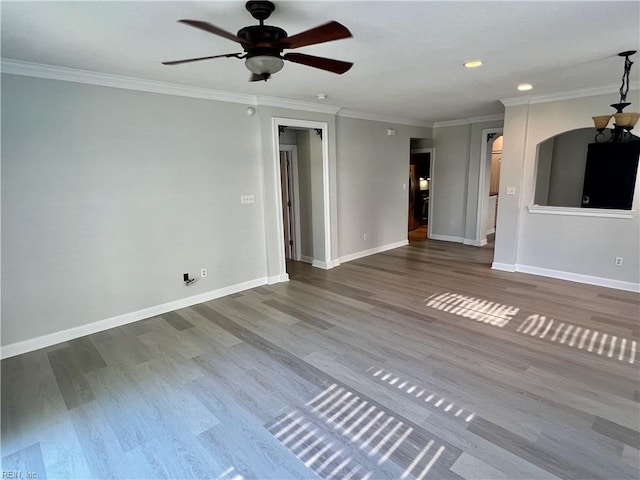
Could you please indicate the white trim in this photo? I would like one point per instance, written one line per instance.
(466, 121)
(446, 238)
(324, 127)
(452, 123)
(475, 243)
(50, 339)
(51, 72)
(484, 186)
(296, 105)
(566, 95)
(333, 263)
(306, 259)
(326, 193)
(66, 74)
(320, 264)
(372, 251)
(488, 118)
(433, 185)
(284, 277)
(580, 278)
(580, 212)
(381, 118)
(568, 276)
(504, 267)
(431, 152)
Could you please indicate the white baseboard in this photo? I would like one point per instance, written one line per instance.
(504, 267)
(333, 263)
(475, 243)
(446, 238)
(49, 339)
(372, 251)
(278, 279)
(319, 263)
(569, 276)
(580, 278)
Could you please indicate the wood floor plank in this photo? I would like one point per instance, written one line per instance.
(25, 463)
(354, 372)
(69, 375)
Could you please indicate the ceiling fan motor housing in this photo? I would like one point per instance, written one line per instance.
(263, 44)
(260, 34)
(260, 9)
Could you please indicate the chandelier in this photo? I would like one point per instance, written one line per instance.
(623, 121)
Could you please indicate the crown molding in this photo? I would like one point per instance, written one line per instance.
(467, 121)
(452, 123)
(380, 118)
(565, 95)
(296, 105)
(52, 72)
(496, 117)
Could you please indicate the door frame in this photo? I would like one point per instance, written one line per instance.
(295, 203)
(431, 151)
(323, 127)
(483, 183)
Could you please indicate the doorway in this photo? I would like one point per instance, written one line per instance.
(489, 185)
(303, 193)
(419, 197)
(290, 201)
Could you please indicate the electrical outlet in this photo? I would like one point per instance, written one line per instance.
(618, 262)
(203, 272)
(247, 199)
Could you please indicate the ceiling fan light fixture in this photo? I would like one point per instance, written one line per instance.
(261, 64)
(523, 87)
(623, 121)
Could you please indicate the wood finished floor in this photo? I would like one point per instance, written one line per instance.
(420, 362)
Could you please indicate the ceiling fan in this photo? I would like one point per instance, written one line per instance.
(263, 44)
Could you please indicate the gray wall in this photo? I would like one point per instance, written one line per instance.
(476, 145)
(109, 195)
(455, 176)
(543, 171)
(449, 177)
(566, 177)
(584, 247)
(372, 169)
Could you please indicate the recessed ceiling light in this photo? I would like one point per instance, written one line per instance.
(523, 87)
(473, 63)
(322, 96)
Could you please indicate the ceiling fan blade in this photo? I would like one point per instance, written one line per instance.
(187, 60)
(324, 33)
(335, 66)
(207, 27)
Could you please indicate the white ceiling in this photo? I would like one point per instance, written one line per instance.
(408, 56)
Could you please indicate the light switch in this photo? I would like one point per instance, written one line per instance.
(247, 199)
(511, 190)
